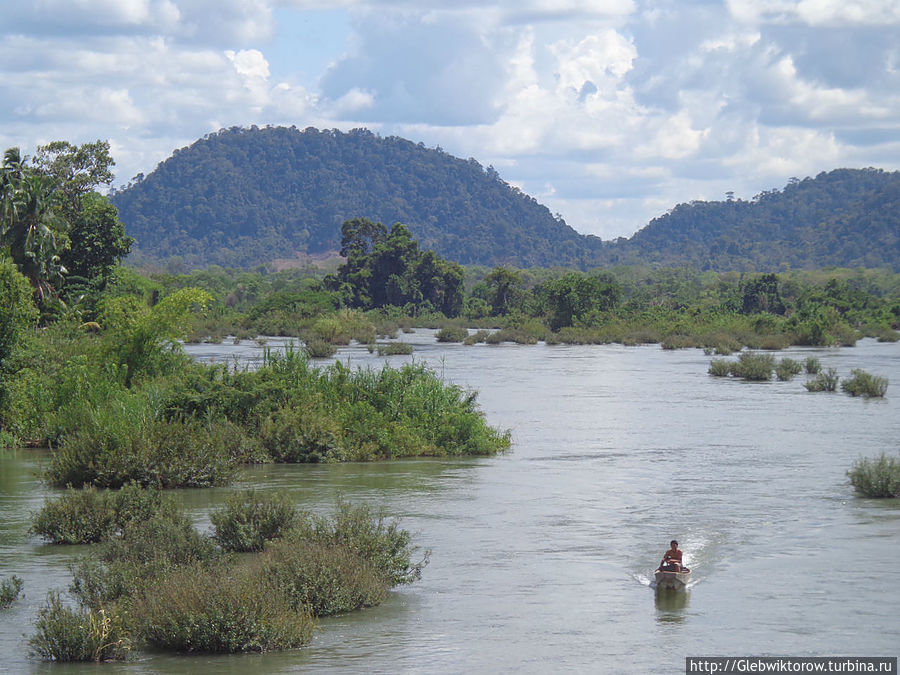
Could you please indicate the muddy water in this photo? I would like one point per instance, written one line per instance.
(541, 558)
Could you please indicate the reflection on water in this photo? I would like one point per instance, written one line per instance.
(670, 604)
(541, 558)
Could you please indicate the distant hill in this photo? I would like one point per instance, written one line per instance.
(241, 197)
(843, 218)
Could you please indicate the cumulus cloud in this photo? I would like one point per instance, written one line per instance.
(608, 111)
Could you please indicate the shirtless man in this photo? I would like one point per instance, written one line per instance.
(671, 560)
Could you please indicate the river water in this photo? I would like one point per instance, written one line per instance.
(541, 558)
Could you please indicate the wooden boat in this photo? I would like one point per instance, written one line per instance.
(673, 580)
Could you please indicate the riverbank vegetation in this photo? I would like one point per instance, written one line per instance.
(159, 583)
(877, 477)
(676, 308)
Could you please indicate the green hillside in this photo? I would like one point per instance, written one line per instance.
(843, 218)
(241, 197)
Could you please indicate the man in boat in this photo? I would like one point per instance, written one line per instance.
(671, 560)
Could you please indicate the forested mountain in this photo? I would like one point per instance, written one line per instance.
(845, 218)
(241, 197)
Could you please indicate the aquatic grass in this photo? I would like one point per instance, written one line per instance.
(10, 589)
(878, 477)
(826, 381)
(861, 383)
(250, 518)
(812, 365)
(64, 634)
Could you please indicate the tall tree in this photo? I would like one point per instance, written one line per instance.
(387, 268)
(32, 229)
(77, 169)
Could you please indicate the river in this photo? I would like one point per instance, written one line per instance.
(541, 557)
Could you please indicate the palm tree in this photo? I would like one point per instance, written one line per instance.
(30, 225)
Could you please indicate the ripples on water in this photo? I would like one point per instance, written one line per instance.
(542, 558)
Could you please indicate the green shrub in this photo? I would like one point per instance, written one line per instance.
(367, 533)
(146, 550)
(720, 367)
(302, 435)
(9, 590)
(452, 334)
(679, 342)
(320, 349)
(879, 477)
(181, 452)
(319, 578)
(861, 383)
(887, 335)
(82, 516)
(517, 335)
(787, 368)
(218, 610)
(249, 519)
(812, 365)
(476, 337)
(64, 634)
(89, 515)
(826, 381)
(395, 349)
(772, 342)
(753, 366)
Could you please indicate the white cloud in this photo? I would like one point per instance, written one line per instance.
(609, 111)
(817, 12)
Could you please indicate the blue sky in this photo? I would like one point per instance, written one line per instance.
(607, 111)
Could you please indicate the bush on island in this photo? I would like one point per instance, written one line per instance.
(9, 590)
(250, 518)
(826, 381)
(861, 383)
(89, 515)
(65, 634)
(878, 477)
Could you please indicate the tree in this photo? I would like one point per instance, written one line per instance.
(54, 224)
(504, 290)
(387, 268)
(761, 295)
(32, 229)
(139, 336)
(97, 241)
(17, 311)
(574, 295)
(77, 170)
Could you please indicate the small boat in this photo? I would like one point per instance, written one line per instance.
(673, 580)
